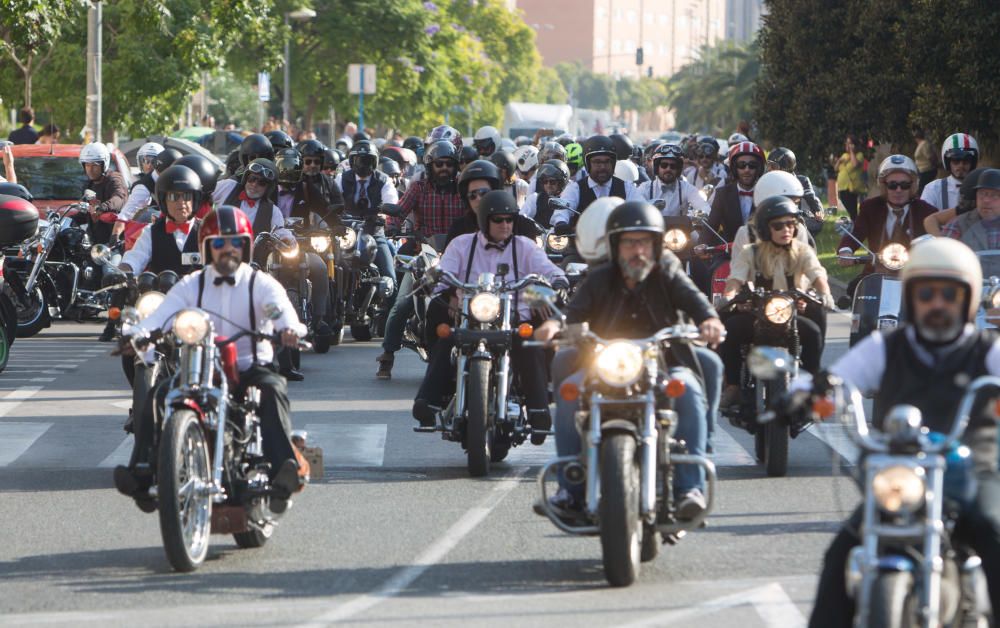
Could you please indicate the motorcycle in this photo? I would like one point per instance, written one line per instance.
(363, 295)
(988, 316)
(415, 332)
(627, 423)
(211, 474)
(909, 570)
(487, 413)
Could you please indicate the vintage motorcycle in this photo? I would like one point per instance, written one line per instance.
(362, 294)
(415, 332)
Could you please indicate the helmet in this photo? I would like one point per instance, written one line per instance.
(404, 156)
(165, 159)
(178, 178)
(574, 154)
(389, 167)
(363, 153)
(479, 169)
(736, 138)
(343, 144)
(361, 136)
(553, 169)
(15, 189)
(945, 258)
(447, 133)
(526, 158)
(225, 221)
(279, 139)
(415, 144)
(310, 148)
(495, 203)
(331, 158)
(505, 160)
(288, 161)
(565, 140)
(96, 153)
(206, 170)
(783, 158)
(989, 180)
(442, 149)
(959, 146)
(770, 208)
(651, 147)
(508, 144)
(486, 141)
(967, 190)
(897, 163)
(626, 170)
(255, 145)
(745, 148)
(264, 168)
(709, 148)
(776, 183)
(591, 243)
(634, 216)
(551, 150)
(468, 154)
(522, 140)
(596, 146)
(668, 151)
(147, 152)
(623, 146)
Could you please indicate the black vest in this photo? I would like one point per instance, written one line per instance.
(165, 255)
(313, 196)
(349, 183)
(587, 195)
(265, 209)
(146, 180)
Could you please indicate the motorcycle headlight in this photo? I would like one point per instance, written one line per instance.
(556, 242)
(675, 240)
(893, 256)
(348, 240)
(148, 303)
(484, 307)
(899, 488)
(191, 326)
(995, 299)
(319, 243)
(619, 363)
(100, 254)
(292, 251)
(779, 310)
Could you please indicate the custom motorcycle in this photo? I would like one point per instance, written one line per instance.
(363, 295)
(415, 332)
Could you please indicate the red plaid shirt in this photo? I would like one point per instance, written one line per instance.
(433, 211)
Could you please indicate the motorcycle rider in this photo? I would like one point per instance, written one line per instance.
(966, 203)
(467, 257)
(109, 187)
(927, 362)
(433, 201)
(668, 191)
(143, 191)
(600, 158)
(365, 190)
(208, 173)
(783, 159)
(959, 154)
(574, 158)
(236, 297)
(706, 169)
(486, 141)
(979, 229)
(316, 192)
(553, 177)
(640, 291)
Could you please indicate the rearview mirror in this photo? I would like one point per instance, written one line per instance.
(770, 363)
(538, 296)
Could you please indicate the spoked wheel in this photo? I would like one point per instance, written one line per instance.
(478, 431)
(183, 489)
(621, 528)
(32, 313)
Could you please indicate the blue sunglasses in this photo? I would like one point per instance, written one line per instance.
(236, 242)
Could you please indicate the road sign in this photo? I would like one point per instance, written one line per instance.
(264, 86)
(361, 78)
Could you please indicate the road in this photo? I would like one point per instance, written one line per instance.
(396, 533)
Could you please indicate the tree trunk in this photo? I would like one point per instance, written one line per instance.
(307, 124)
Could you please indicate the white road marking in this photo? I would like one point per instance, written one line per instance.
(532, 455)
(428, 558)
(349, 444)
(728, 452)
(352, 405)
(124, 404)
(14, 398)
(120, 455)
(16, 438)
(770, 601)
(835, 437)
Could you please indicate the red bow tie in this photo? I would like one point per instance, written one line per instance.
(249, 201)
(745, 193)
(184, 227)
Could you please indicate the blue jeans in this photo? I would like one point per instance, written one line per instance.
(692, 409)
(384, 257)
(711, 370)
(402, 310)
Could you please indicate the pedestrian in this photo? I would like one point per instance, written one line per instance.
(50, 134)
(850, 176)
(26, 134)
(925, 158)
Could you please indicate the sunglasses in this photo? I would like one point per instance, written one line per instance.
(668, 165)
(784, 224)
(256, 180)
(477, 193)
(180, 196)
(899, 185)
(235, 241)
(444, 163)
(312, 162)
(948, 293)
(746, 165)
(262, 170)
(499, 220)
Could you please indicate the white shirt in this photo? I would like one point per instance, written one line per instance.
(718, 170)
(222, 190)
(932, 192)
(230, 302)
(141, 252)
(742, 237)
(746, 202)
(678, 198)
(221, 193)
(530, 206)
(139, 198)
(572, 196)
(389, 193)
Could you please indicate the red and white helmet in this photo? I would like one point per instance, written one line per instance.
(959, 146)
(446, 133)
(746, 148)
(225, 222)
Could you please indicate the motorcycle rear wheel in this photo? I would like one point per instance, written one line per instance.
(892, 603)
(361, 333)
(618, 510)
(184, 475)
(478, 431)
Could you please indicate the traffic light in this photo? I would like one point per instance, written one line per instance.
(638, 56)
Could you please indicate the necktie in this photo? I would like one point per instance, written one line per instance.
(246, 199)
(745, 193)
(218, 281)
(362, 194)
(184, 227)
(898, 234)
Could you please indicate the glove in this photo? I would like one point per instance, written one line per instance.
(562, 229)
(828, 302)
(556, 203)
(560, 283)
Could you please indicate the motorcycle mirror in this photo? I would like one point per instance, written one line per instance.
(294, 221)
(272, 311)
(502, 269)
(538, 296)
(770, 362)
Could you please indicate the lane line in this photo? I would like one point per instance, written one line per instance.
(349, 444)
(770, 601)
(15, 398)
(428, 558)
(120, 455)
(728, 451)
(16, 438)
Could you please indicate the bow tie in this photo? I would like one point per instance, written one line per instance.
(745, 193)
(218, 281)
(499, 247)
(246, 199)
(184, 227)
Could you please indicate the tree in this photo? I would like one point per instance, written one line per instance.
(715, 91)
(28, 29)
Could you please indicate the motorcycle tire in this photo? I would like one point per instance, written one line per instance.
(892, 604)
(618, 510)
(185, 523)
(361, 333)
(4, 349)
(32, 320)
(650, 544)
(254, 537)
(478, 431)
(776, 435)
(321, 344)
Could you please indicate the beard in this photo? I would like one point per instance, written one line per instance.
(939, 327)
(636, 268)
(227, 264)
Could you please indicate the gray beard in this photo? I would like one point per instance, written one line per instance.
(939, 335)
(639, 274)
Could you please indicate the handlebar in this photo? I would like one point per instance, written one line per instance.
(437, 275)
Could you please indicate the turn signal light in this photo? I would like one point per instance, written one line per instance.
(824, 407)
(114, 313)
(443, 330)
(675, 388)
(569, 391)
(39, 248)
(524, 330)
(996, 407)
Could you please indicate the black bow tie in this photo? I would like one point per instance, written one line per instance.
(499, 247)
(221, 280)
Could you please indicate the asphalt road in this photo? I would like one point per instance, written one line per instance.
(396, 533)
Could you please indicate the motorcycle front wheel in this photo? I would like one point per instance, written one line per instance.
(618, 510)
(892, 603)
(776, 434)
(184, 471)
(478, 432)
(32, 313)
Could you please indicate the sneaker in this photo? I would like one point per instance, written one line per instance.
(385, 362)
(691, 505)
(285, 482)
(563, 503)
(423, 412)
(108, 334)
(540, 420)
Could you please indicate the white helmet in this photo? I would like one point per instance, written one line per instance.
(897, 163)
(736, 138)
(626, 171)
(485, 135)
(526, 158)
(945, 258)
(147, 152)
(959, 145)
(776, 183)
(96, 152)
(591, 228)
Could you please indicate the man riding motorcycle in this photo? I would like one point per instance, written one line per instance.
(107, 184)
(668, 191)
(959, 155)
(235, 297)
(980, 229)
(365, 190)
(143, 191)
(600, 158)
(553, 177)
(706, 169)
(486, 141)
(433, 201)
(315, 192)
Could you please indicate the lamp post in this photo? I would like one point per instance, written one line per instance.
(299, 15)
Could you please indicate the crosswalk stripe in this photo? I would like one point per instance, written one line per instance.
(120, 455)
(837, 439)
(15, 397)
(16, 438)
(349, 445)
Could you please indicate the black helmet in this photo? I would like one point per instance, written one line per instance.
(310, 148)
(553, 169)
(598, 145)
(770, 208)
(783, 158)
(504, 160)
(255, 146)
(635, 216)
(522, 140)
(650, 149)
(165, 158)
(495, 203)
(178, 178)
(707, 148)
(389, 167)
(565, 140)
(623, 146)
(551, 150)
(442, 149)
(415, 144)
(331, 158)
(361, 136)
(279, 139)
(288, 161)
(478, 169)
(363, 157)
(263, 168)
(989, 180)
(468, 155)
(206, 170)
(15, 189)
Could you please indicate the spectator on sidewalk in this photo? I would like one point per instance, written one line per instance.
(925, 158)
(26, 134)
(50, 134)
(850, 176)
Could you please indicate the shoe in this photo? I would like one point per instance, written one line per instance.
(563, 502)
(285, 482)
(323, 329)
(540, 420)
(730, 396)
(108, 334)
(385, 362)
(129, 426)
(125, 481)
(691, 505)
(424, 412)
(292, 375)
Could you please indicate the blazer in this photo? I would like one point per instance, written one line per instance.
(870, 225)
(725, 214)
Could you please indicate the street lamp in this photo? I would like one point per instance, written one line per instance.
(299, 15)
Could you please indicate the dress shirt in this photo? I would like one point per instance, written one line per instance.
(286, 200)
(681, 190)
(890, 220)
(932, 192)
(572, 196)
(138, 199)
(389, 192)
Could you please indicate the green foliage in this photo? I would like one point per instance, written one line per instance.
(599, 91)
(28, 29)
(714, 92)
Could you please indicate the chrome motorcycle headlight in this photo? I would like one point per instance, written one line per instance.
(675, 240)
(779, 310)
(192, 325)
(148, 303)
(899, 489)
(319, 243)
(485, 307)
(100, 254)
(556, 242)
(292, 251)
(348, 240)
(619, 363)
(995, 298)
(893, 256)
